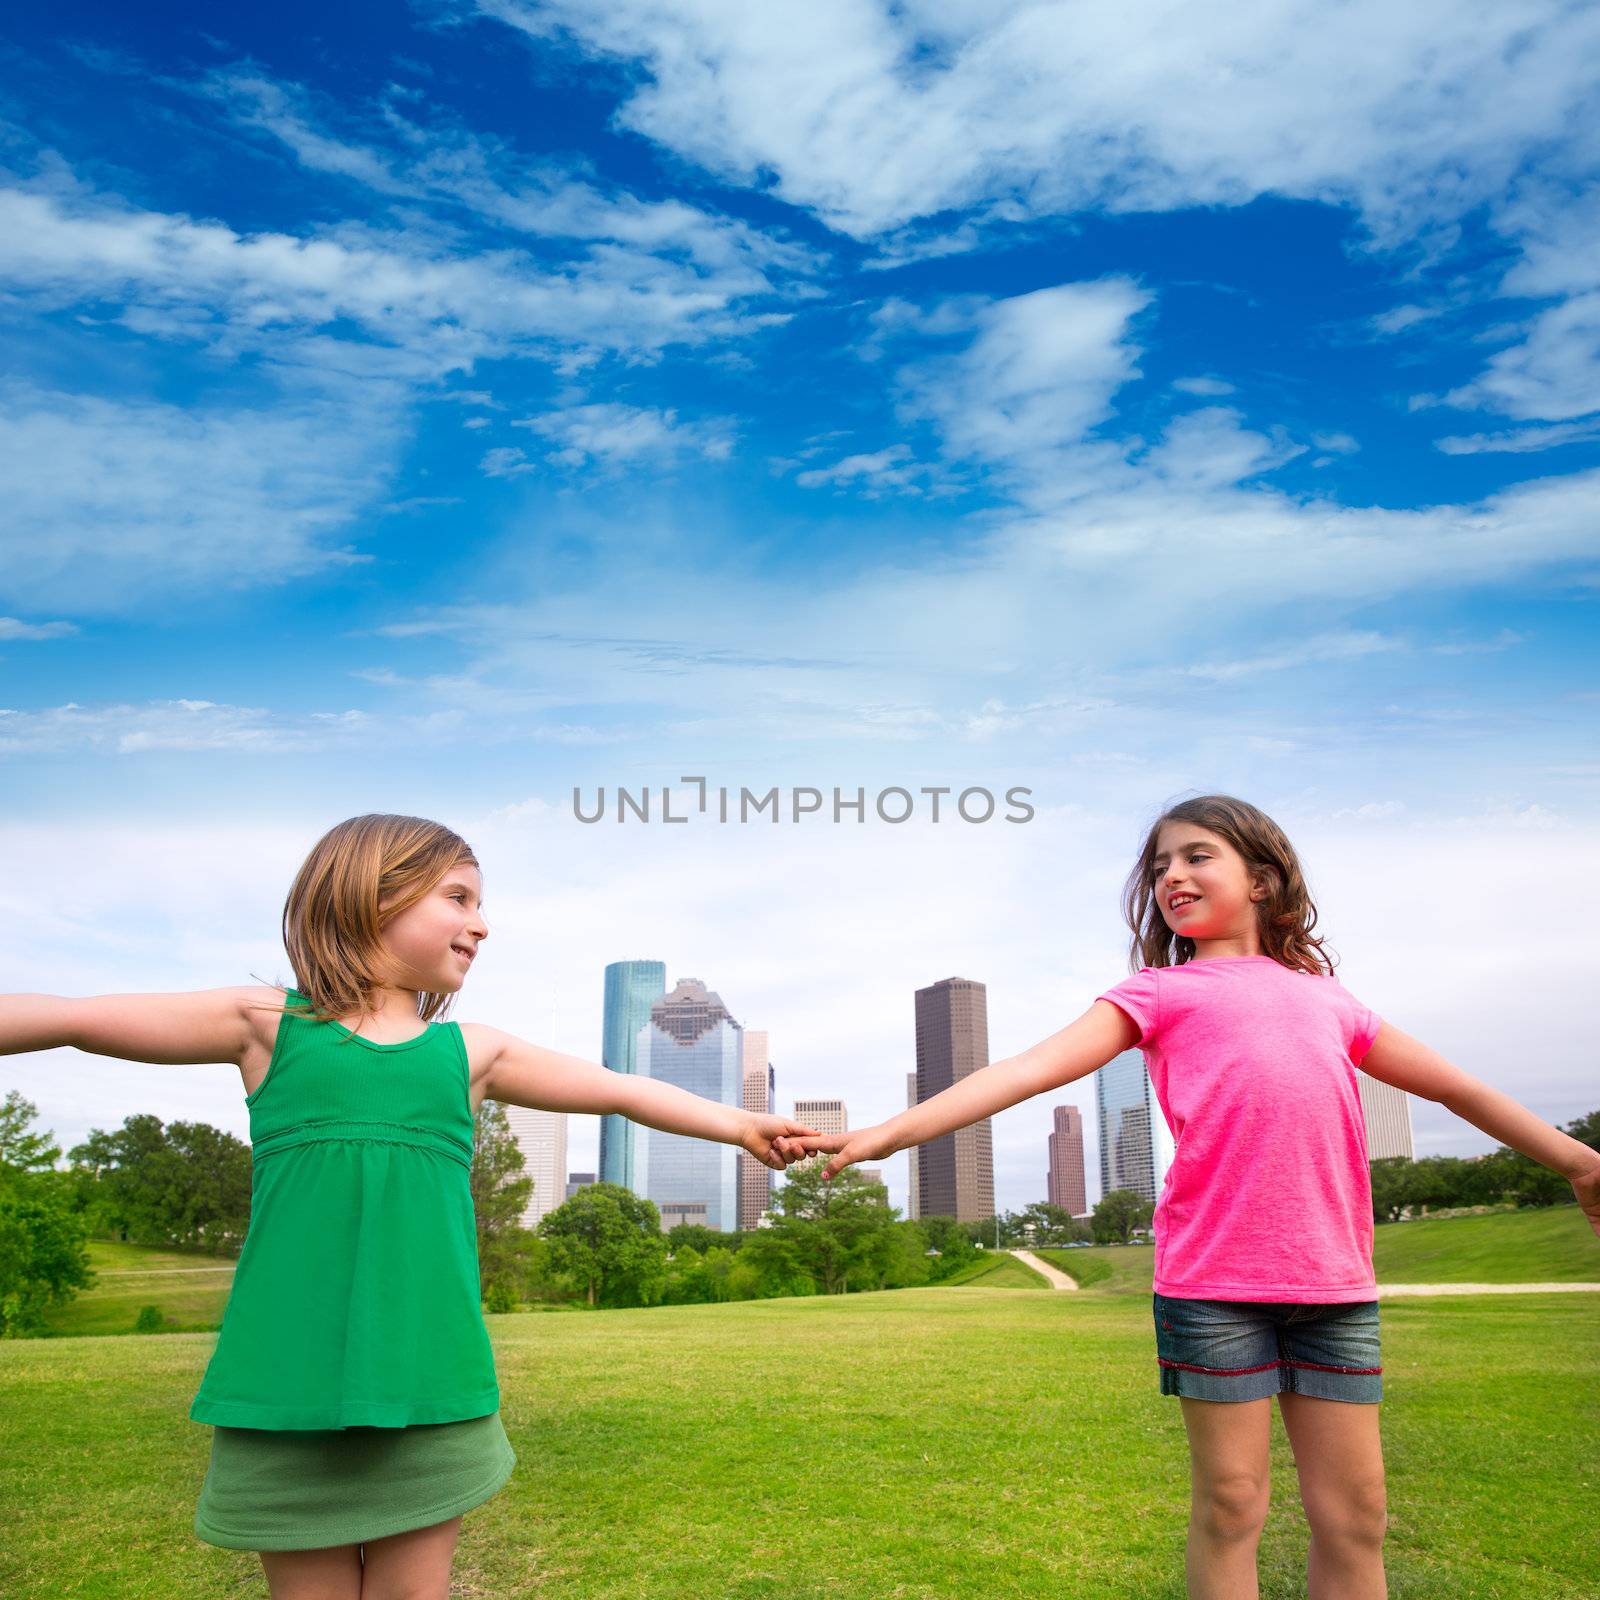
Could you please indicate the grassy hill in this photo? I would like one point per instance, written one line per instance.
(912, 1445)
(188, 1286)
(1554, 1245)
(998, 1269)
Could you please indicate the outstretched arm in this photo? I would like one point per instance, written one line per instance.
(1082, 1047)
(524, 1074)
(1408, 1064)
(174, 1029)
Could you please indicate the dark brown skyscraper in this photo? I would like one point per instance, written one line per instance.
(1066, 1162)
(955, 1174)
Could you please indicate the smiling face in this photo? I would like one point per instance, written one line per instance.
(1203, 887)
(430, 944)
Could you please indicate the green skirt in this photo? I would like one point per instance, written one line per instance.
(270, 1489)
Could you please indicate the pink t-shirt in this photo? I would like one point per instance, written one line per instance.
(1269, 1195)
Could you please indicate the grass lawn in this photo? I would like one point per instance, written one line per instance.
(920, 1443)
(1553, 1245)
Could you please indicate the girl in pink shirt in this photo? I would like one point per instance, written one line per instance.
(1263, 1261)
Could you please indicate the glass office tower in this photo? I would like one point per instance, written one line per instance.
(690, 1040)
(632, 987)
(1135, 1142)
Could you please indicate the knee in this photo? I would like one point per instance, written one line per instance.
(1355, 1513)
(1231, 1507)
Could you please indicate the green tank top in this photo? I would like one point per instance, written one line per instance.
(355, 1302)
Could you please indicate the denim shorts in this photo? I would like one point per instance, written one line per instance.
(1248, 1349)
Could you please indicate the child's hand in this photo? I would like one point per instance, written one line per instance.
(774, 1140)
(865, 1144)
(1587, 1189)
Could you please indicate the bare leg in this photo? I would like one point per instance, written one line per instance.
(411, 1566)
(331, 1574)
(1339, 1458)
(1228, 1487)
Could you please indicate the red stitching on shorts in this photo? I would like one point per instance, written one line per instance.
(1317, 1366)
(1309, 1366)
(1189, 1366)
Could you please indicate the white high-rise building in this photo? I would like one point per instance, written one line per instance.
(913, 1207)
(826, 1116)
(542, 1138)
(1387, 1113)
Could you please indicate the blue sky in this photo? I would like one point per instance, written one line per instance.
(435, 408)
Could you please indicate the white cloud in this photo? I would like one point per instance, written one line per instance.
(112, 502)
(1037, 377)
(873, 472)
(15, 628)
(124, 729)
(1519, 440)
(505, 461)
(433, 311)
(1317, 650)
(1202, 386)
(614, 434)
(1553, 375)
(437, 161)
(874, 116)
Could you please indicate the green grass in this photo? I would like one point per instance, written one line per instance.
(189, 1286)
(1554, 1245)
(898, 1446)
(998, 1269)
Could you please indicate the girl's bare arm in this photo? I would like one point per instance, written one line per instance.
(1408, 1064)
(524, 1074)
(1084, 1046)
(201, 1025)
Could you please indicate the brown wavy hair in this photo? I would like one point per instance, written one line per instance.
(332, 928)
(1285, 916)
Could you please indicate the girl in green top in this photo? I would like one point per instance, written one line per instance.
(352, 1390)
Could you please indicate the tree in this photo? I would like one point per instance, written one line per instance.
(1118, 1214)
(700, 1238)
(839, 1228)
(187, 1185)
(43, 1261)
(769, 1266)
(606, 1241)
(1586, 1130)
(953, 1242)
(501, 1190)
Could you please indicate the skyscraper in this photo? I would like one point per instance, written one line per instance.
(826, 1116)
(955, 1173)
(913, 1208)
(1135, 1145)
(1066, 1188)
(542, 1138)
(1387, 1113)
(760, 1094)
(692, 1041)
(632, 987)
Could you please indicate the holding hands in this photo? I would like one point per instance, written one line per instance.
(865, 1144)
(775, 1141)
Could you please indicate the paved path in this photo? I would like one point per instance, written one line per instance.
(1387, 1289)
(154, 1272)
(1056, 1278)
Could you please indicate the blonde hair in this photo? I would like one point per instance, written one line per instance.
(332, 928)
(1285, 916)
